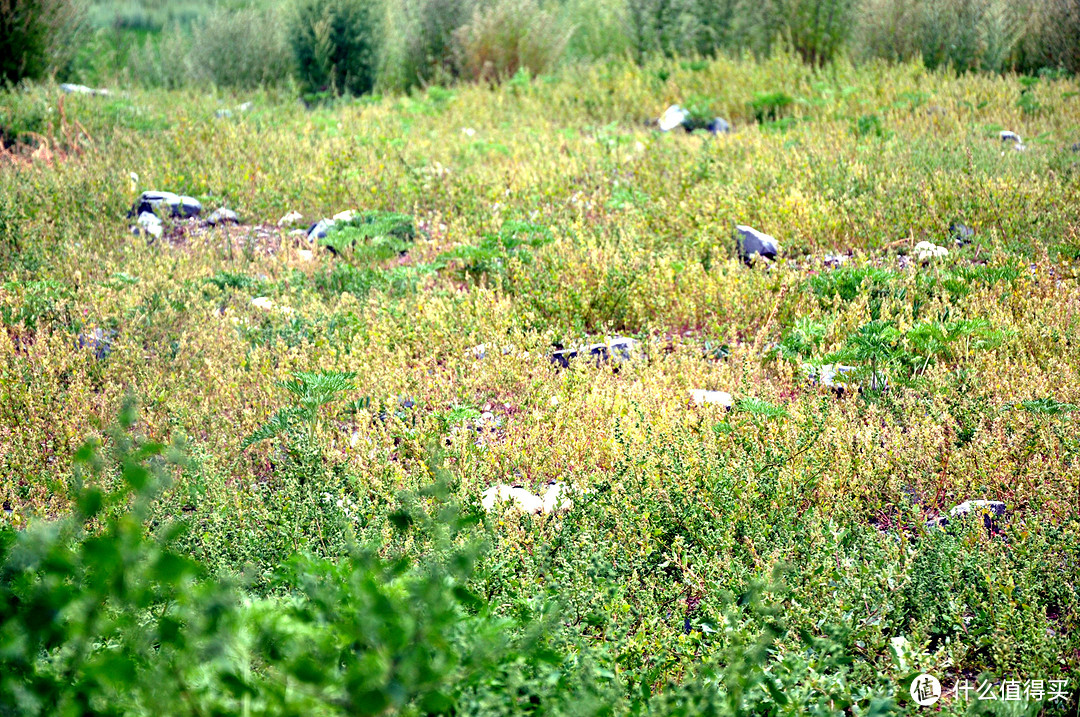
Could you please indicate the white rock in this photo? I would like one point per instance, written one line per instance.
(701, 397)
(305, 254)
(468, 131)
(264, 303)
(927, 250)
(1007, 136)
(553, 401)
(556, 498)
(289, 219)
(517, 499)
(673, 117)
(345, 216)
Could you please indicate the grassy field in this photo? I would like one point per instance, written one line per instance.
(773, 558)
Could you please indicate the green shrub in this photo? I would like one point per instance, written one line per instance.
(37, 37)
(505, 36)
(246, 48)
(336, 44)
(423, 50)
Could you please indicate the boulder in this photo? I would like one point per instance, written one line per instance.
(71, 89)
(289, 219)
(319, 229)
(990, 510)
(701, 397)
(719, 125)
(556, 498)
(99, 341)
(751, 242)
(148, 224)
(1017, 143)
(925, 250)
(174, 205)
(222, 216)
(618, 348)
(961, 234)
(674, 116)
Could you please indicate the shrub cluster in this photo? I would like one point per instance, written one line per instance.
(355, 46)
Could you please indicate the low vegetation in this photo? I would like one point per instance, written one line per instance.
(241, 472)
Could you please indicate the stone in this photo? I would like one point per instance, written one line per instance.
(345, 216)
(617, 347)
(71, 89)
(148, 224)
(961, 234)
(175, 205)
(701, 397)
(829, 375)
(305, 254)
(266, 304)
(556, 498)
(719, 125)
(1017, 143)
(99, 341)
(515, 498)
(990, 510)
(222, 216)
(835, 261)
(222, 114)
(751, 242)
(925, 250)
(319, 229)
(479, 351)
(674, 116)
(245, 107)
(289, 219)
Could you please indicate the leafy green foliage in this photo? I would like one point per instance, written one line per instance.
(336, 45)
(311, 391)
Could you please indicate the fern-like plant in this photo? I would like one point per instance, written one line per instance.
(310, 391)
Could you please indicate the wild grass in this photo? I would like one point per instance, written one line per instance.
(549, 211)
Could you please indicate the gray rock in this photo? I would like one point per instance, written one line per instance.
(961, 233)
(175, 205)
(719, 125)
(990, 510)
(222, 216)
(148, 224)
(1008, 136)
(618, 348)
(319, 229)
(750, 242)
(71, 89)
(99, 341)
